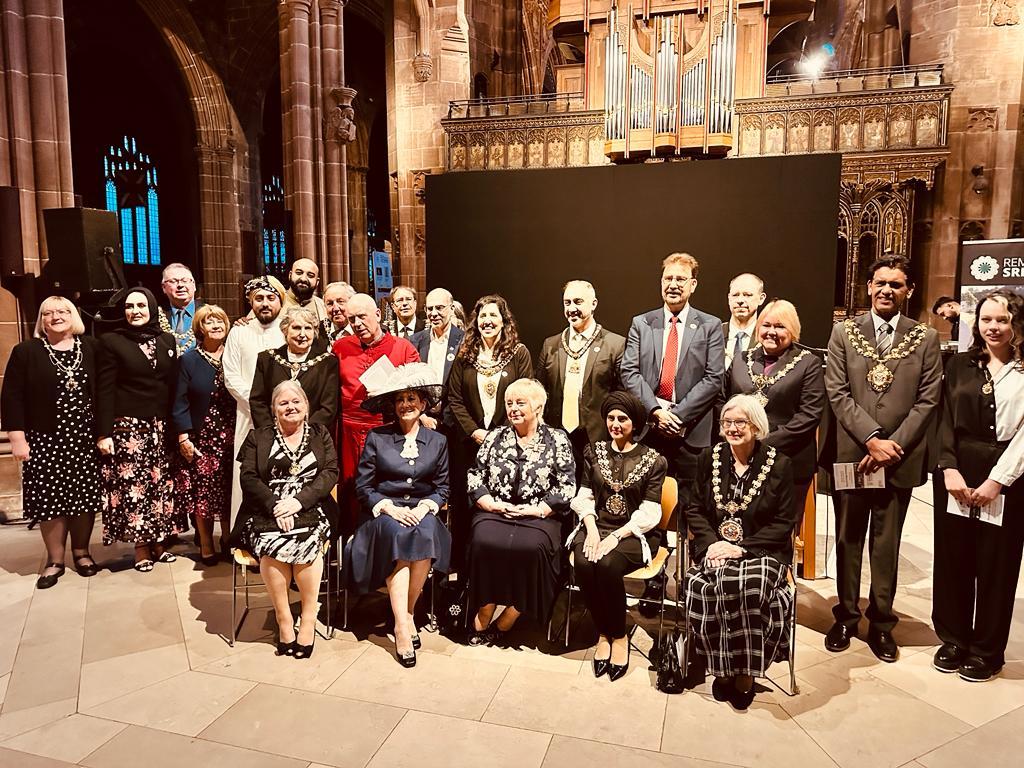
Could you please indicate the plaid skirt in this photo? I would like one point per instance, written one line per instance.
(738, 615)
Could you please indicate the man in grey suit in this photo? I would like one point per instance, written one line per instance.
(674, 362)
(579, 367)
(883, 377)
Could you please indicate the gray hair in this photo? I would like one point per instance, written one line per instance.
(291, 384)
(289, 316)
(753, 410)
(175, 265)
(532, 389)
(341, 285)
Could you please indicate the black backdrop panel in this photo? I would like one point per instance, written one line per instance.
(523, 234)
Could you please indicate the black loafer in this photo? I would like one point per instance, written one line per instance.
(85, 569)
(722, 689)
(45, 582)
(838, 638)
(601, 667)
(949, 657)
(976, 670)
(883, 646)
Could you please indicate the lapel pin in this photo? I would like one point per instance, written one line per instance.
(451, 356)
(693, 326)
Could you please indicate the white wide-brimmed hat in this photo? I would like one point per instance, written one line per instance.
(416, 376)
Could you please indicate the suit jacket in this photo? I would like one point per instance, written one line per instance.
(421, 340)
(767, 523)
(30, 384)
(902, 413)
(128, 385)
(166, 312)
(196, 382)
(796, 403)
(464, 395)
(751, 338)
(254, 473)
(320, 383)
(700, 371)
(602, 373)
(385, 474)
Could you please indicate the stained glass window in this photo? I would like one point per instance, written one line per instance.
(275, 248)
(130, 190)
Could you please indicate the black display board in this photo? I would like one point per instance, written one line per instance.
(523, 234)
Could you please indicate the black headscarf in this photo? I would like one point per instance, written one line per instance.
(631, 406)
(141, 333)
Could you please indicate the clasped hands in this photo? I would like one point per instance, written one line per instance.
(285, 511)
(970, 497)
(881, 453)
(668, 423)
(510, 510)
(595, 548)
(720, 553)
(407, 516)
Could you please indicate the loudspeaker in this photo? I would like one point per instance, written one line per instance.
(11, 257)
(84, 247)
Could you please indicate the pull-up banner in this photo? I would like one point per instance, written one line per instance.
(986, 265)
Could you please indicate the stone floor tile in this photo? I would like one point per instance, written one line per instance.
(46, 670)
(185, 704)
(10, 757)
(578, 706)
(58, 608)
(572, 753)
(135, 747)
(525, 657)
(22, 720)
(425, 740)
(764, 735)
(70, 738)
(438, 683)
(259, 663)
(306, 726)
(110, 678)
(4, 682)
(997, 743)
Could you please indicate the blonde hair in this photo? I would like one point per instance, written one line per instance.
(532, 389)
(785, 313)
(77, 326)
(300, 313)
(682, 260)
(754, 412)
(203, 314)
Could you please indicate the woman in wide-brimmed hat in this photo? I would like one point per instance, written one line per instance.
(401, 483)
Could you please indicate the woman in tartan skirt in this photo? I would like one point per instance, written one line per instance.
(740, 512)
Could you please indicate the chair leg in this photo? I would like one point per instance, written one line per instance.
(432, 625)
(568, 614)
(234, 602)
(794, 689)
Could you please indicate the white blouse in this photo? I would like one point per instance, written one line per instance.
(489, 402)
(1009, 397)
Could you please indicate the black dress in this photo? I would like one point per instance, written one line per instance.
(517, 561)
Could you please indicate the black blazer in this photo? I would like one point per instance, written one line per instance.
(464, 396)
(128, 384)
(320, 384)
(254, 476)
(767, 523)
(31, 382)
(796, 404)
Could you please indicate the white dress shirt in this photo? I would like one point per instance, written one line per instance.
(438, 351)
(683, 313)
(879, 321)
(576, 342)
(405, 331)
(734, 331)
(1009, 397)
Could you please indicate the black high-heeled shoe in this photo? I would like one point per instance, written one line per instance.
(615, 671)
(303, 651)
(416, 644)
(285, 649)
(209, 560)
(45, 582)
(601, 667)
(407, 659)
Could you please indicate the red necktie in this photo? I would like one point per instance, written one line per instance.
(668, 365)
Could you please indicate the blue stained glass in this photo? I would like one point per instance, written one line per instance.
(111, 195)
(142, 235)
(140, 217)
(127, 239)
(154, 226)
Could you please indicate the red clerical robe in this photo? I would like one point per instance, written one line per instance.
(354, 358)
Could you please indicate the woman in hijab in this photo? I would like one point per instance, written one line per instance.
(137, 370)
(619, 506)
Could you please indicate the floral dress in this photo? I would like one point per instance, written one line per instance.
(138, 484)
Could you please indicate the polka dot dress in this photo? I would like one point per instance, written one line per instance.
(62, 475)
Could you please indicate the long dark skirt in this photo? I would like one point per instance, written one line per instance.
(515, 562)
(738, 614)
(382, 541)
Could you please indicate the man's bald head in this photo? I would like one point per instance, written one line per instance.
(439, 310)
(364, 317)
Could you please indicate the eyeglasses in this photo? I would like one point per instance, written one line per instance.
(179, 281)
(57, 313)
(675, 279)
(738, 423)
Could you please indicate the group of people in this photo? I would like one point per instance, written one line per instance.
(431, 444)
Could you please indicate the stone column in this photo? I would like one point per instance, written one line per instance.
(220, 233)
(358, 262)
(339, 129)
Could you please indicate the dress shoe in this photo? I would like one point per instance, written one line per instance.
(407, 659)
(722, 689)
(303, 651)
(976, 670)
(601, 667)
(85, 569)
(741, 700)
(615, 671)
(949, 657)
(838, 638)
(45, 582)
(883, 646)
(416, 643)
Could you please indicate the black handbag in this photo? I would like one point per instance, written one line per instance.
(670, 671)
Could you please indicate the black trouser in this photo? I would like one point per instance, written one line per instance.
(975, 576)
(883, 511)
(602, 588)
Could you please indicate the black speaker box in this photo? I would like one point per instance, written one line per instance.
(84, 247)
(11, 259)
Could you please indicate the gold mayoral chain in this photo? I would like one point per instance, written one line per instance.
(298, 368)
(762, 382)
(491, 370)
(879, 376)
(574, 366)
(731, 528)
(616, 504)
(296, 455)
(70, 382)
(181, 340)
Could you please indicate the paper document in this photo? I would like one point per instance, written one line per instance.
(847, 478)
(991, 513)
(376, 377)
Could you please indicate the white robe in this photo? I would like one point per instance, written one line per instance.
(243, 345)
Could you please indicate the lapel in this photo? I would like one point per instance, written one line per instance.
(689, 331)
(592, 353)
(454, 342)
(656, 322)
(901, 330)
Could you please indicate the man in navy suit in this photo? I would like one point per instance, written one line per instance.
(674, 362)
(179, 286)
(437, 344)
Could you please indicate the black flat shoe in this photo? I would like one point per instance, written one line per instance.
(407, 659)
(949, 657)
(601, 667)
(883, 646)
(740, 700)
(303, 651)
(838, 638)
(209, 560)
(722, 689)
(976, 670)
(45, 582)
(87, 569)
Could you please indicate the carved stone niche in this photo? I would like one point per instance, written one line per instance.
(419, 184)
(972, 229)
(982, 119)
(1004, 13)
(341, 119)
(422, 67)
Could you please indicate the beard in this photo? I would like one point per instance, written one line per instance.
(303, 291)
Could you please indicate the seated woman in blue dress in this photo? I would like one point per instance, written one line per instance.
(401, 483)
